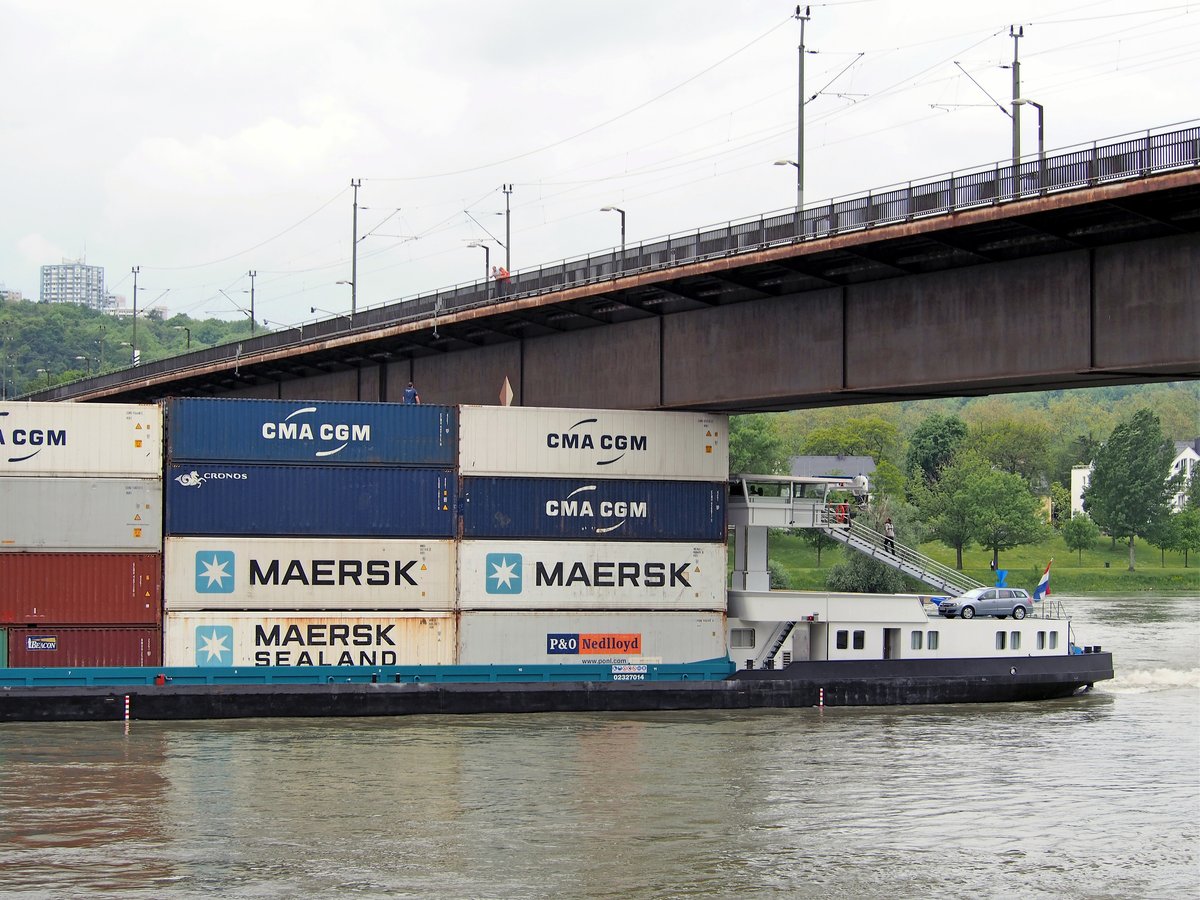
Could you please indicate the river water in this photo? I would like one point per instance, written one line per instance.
(1095, 796)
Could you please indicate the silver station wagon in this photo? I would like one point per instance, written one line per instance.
(988, 601)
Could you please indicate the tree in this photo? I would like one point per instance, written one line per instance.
(1004, 513)
(1060, 505)
(862, 574)
(1080, 533)
(933, 445)
(1129, 489)
(945, 503)
(819, 541)
(1016, 445)
(1188, 521)
(755, 446)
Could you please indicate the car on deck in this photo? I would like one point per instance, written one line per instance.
(988, 601)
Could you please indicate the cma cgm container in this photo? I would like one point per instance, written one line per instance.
(81, 588)
(101, 515)
(334, 501)
(312, 432)
(57, 646)
(258, 639)
(596, 508)
(518, 638)
(590, 575)
(593, 443)
(307, 573)
(81, 439)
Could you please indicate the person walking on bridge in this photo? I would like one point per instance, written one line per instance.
(889, 536)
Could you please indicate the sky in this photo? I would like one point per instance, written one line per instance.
(200, 142)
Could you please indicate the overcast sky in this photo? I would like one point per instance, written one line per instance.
(202, 140)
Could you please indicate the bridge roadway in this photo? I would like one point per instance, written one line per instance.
(1094, 285)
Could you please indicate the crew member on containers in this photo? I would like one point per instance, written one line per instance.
(410, 395)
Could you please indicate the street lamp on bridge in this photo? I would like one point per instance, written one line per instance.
(618, 209)
(1024, 101)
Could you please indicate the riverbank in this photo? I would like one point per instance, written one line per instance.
(1103, 570)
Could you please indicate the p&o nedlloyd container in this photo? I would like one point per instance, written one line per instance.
(311, 432)
(351, 639)
(570, 575)
(294, 500)
(81, 440)
(81, 588)
(603, 638)
(102, 515)
(596, 508)
(592, 443)
(209, 573)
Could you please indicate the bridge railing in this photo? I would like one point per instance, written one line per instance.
(1085, 165)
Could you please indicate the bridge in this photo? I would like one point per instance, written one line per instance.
(1078, 269)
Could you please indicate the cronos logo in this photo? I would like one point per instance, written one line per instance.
(23, 439)
(329, 434)
(581, 437)
(197, 479)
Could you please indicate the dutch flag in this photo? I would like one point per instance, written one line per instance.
(1043, 587)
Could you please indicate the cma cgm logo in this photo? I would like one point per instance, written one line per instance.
(503, 573)
(196, 479)
(580, 505)
(214, 572)
(579, 437)
(329, 433)
(23, 439)
(214, 645)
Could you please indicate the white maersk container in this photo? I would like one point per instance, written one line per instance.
(308, 574)
(96, 515)
(572, 638)
(590, 575)
(106, 440)
(591, 443)
(263, 639)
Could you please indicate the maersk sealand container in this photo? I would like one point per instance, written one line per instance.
(81, 440)
(596, 508)
(300, 501)
(311, 432)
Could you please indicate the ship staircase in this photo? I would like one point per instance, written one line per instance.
(832, 505)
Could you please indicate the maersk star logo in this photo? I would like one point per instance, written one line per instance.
(503, 573)
(214, 572)
(214, 645)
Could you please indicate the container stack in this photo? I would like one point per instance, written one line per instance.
(80, 534)
(309, 533)
(591, 536)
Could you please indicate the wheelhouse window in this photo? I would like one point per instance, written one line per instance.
(843, 640)
(916, 640)
(932, 640)
(1054, 640)
(860, 640)
(741, 638)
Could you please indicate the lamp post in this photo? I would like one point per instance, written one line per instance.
(329, 312)
(354, 183)
(1024, 101)
(353, 305)
(252, 273)
(487, 266)
(618, 209)
(189, 334)
(803, 17)
(47, 373)
(88, 360)
(133, 343)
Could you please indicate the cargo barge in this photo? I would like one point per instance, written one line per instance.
(231, 558)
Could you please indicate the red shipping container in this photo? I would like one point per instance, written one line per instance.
(81, 588)
(60, 646)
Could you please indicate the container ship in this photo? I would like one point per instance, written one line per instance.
(212, 558)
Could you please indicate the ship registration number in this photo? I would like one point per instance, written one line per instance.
(629, 672)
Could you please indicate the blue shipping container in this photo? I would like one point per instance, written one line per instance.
(334, 501)
(594, 509)
(311, 432)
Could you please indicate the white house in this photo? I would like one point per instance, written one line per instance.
(1187, 458)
